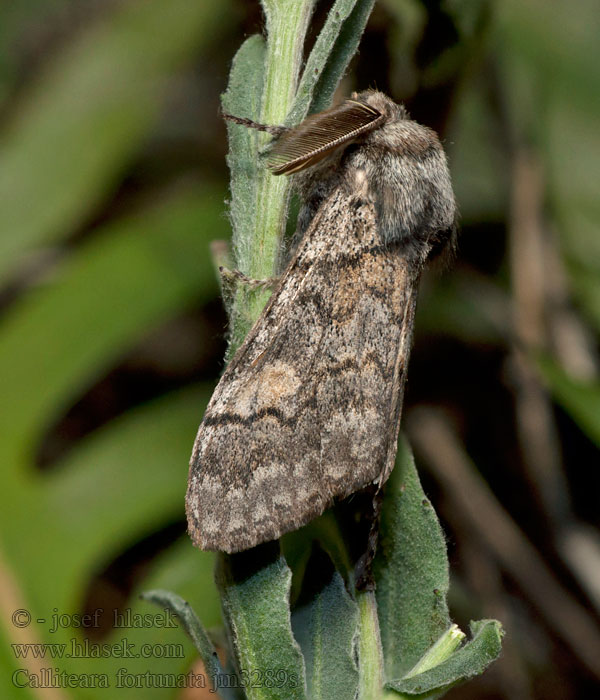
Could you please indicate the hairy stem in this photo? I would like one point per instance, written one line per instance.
(370, 654)
(287, 23)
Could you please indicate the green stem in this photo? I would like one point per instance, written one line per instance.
(370, 655)
(287, 23)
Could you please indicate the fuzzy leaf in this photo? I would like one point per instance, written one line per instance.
(340, 54)
(243, 99)
(329, 57)
(255, 588)
(470, 660)
(297, 545)
(411, 571)
(197, 633)
(326, 628)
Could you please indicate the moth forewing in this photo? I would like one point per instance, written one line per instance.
(308, 410)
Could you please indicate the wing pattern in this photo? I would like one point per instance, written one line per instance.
(308, 409)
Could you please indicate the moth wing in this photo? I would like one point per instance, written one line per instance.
(307, 411)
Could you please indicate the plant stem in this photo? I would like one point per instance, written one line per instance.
(287, 23)
(370, 656)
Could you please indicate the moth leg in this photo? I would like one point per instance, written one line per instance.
(274, 131)
(363, 574)
(232, 277)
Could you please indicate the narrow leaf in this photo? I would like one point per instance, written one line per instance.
(340, 55)
(411, 571)
(86, 115)
(445, 646)
(325, 627)
(127, 279)
(317, 61)
(471, 660)
(255, 587)
(243, 99)
(197, 633)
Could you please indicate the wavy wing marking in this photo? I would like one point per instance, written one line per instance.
(307, 410)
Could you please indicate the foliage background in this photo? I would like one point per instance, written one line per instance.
(112, 185)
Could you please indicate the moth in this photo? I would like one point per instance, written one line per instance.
(308, 410)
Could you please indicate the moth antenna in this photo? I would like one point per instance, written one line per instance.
(320, 134)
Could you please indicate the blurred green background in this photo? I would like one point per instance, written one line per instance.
(112, 185)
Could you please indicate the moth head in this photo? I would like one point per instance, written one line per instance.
(377, 100)
(408, 179)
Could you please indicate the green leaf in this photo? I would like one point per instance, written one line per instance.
(257, 243)
(342, 52)
(121, 483)
(189, 571)
(131, 276)
(330, 56)
(325, 530)
(87, 115)
(470, 660)
(411, 570)
(580, 399)
(197, 633)
(326, 627)
(243, 98)
(255, 587)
